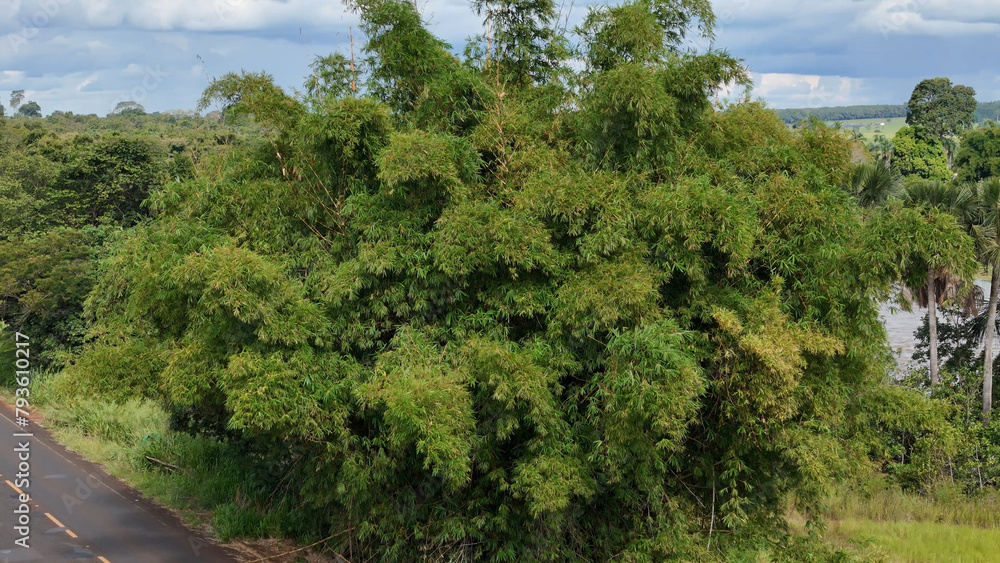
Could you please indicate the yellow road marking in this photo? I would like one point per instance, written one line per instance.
(19, 491)
(73, 463)
(60, 525)
(103, 560)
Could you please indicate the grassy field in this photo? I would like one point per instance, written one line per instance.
(872, 127)
(920, 542)
(905, 528)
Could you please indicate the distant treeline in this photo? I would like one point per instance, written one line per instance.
(986, 110)
(842, 113)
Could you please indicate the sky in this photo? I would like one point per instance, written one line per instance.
(85, 56)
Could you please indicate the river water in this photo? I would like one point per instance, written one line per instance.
(900, 326)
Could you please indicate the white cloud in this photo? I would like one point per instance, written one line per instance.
(447, 17)
(920, 17)
(101, 13)
(134, 70)
(805, 90)
(170, 15)
(931, 17)
(11, 76)
(9, 10)
(772, 82)
(86, 82)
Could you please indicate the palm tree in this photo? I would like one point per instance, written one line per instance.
(873, 183)
(985, 226)
(881, 148)
(950, 148)
(940, 285)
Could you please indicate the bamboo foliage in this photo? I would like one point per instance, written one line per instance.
(564, 317)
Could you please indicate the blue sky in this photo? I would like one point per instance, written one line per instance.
(87, 55)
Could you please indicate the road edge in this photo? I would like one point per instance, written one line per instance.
(208, 545)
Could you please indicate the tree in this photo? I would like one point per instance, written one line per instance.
(333, 75)
(919, 156)
(30, 109)
(939, 282)
(25, 193)
(128, 109)
(942, 110)
(16, 97)
(523, 37)
(881, 149)
(635, 102)
(181, 168)
(978, 155)
(44, 281)
(8, 371)
(108, 180)
(986, 228)
(428, 87)
(872, 184)
(474, 321)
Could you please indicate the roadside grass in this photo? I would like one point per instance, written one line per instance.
(217, 487)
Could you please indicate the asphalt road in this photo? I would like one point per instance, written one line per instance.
(80, 513)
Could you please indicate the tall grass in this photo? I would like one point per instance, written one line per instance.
(945, 506)
(217, 482)
(923, 542)
(945, 525)
(125, 424)
(7, 348)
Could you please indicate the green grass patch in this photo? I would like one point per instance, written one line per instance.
(922, 542)
(902, 527)
(219, 485)
(874, 126)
